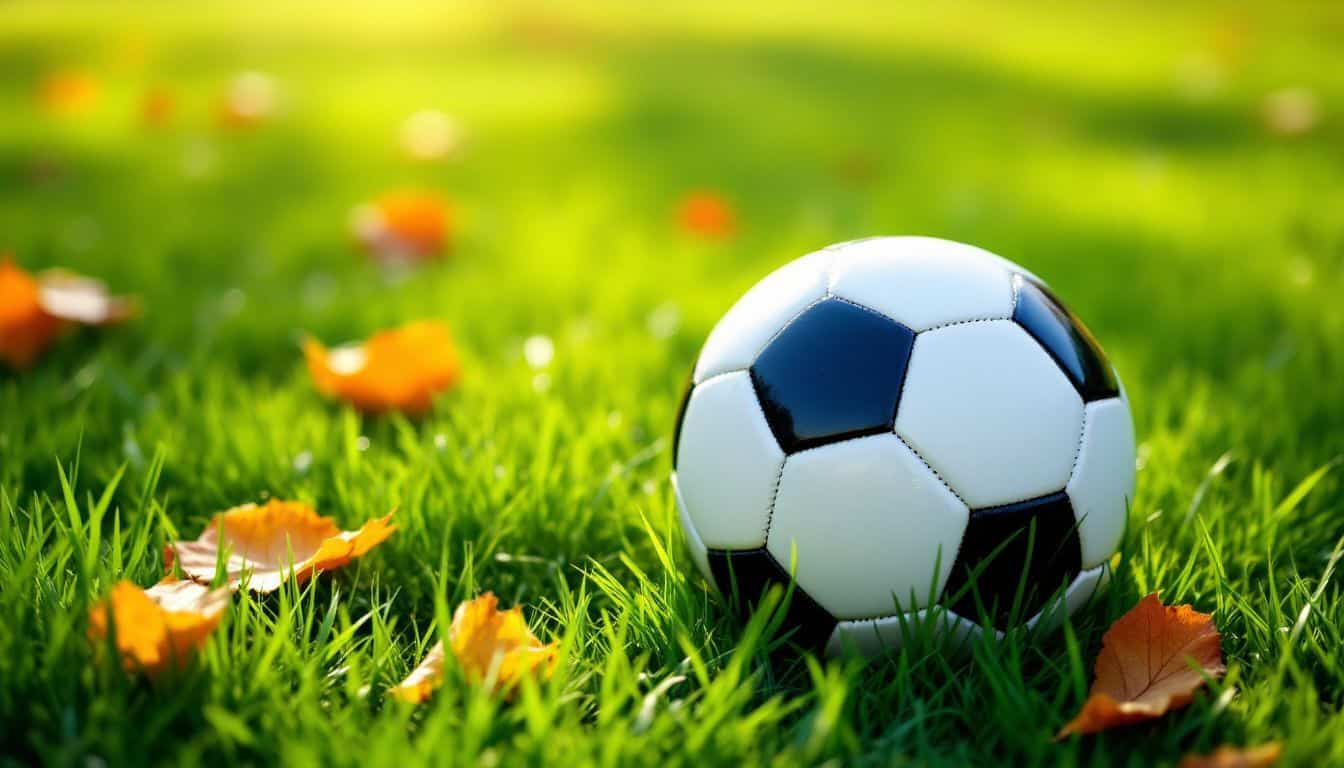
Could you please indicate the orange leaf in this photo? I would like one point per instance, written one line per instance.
(279, 541)
(705, 214)
(161, 626)
(1152, 660)
(410, 225)
(25, 327)
(1262, 756)
(400, 369)
(34, 309)
(493, 647)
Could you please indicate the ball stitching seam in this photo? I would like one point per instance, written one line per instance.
(929, 466)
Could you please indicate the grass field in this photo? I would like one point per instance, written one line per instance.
(1122, 154)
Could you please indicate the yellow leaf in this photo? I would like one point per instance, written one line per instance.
(493, 647)
(420, 684)
(1262, 756)
(397, 370)
(1152, 660)
(160, 627)
(276, 542)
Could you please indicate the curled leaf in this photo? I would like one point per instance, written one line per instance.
(159, 627)
(395, 370)
(1152, 660)
(493, 647)
(274, 543)
(33, 310)
(410, 225)
(1262, 756)
(707, 215)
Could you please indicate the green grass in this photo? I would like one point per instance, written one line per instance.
(1206, 253)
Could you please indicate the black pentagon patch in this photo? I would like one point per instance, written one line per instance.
(833, 373)
(743, 576)
(1066, 339)
(1038, 537)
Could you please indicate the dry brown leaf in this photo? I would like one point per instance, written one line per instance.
(410, 225)
(274, 543)
(492, 646)
(1262, 756)
(1152, 660)
(33, 310)
(396, 370)
(159, 627)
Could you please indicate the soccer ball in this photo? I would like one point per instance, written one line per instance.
(912, 430)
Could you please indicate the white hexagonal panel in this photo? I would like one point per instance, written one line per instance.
(760, 313)
(987, 407)
(870, 523)
(874, 637)
(1085, 586)
(727, 463)
(694, 545)
(923, 282)
(1103, 482)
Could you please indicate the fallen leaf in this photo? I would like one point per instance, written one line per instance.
(274, 543)
(25, 327)
(33, 310)
(68, 92)
(427, 676)
(1152, 660)
(159, 627)
(405, 226)
(395, 370)
(707, 215)
(1262, 756)
(493, 647)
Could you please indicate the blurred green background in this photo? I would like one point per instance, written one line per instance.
(1175, 171)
